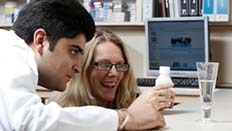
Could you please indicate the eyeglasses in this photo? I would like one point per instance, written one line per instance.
(108, 66)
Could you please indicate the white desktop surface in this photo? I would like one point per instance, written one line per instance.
(179, 91)
(183, 117)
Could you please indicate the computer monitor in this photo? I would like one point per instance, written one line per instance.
(178, 43)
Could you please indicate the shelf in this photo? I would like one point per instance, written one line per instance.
(97, 24)
(119, 24)
(5, 25)
(136, 24)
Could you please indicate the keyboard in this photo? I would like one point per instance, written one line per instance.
(185, 82)
(178, 81)
(145, 81)
(183, 86)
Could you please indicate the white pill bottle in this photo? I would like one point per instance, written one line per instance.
(164, 76)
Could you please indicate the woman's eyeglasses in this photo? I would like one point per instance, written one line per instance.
(108, 66)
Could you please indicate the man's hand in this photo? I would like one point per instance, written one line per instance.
(145, 109)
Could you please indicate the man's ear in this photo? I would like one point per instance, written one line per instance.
(39, 40)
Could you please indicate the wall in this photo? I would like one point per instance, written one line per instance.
(134, 38)
(220, 44)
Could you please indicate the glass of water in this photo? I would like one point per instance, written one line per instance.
(207, 75)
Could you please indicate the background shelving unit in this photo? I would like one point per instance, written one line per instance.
(132, 33)
(138, 14)
(9, 10)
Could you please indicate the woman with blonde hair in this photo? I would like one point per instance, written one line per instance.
(97, 84)
(106, 77)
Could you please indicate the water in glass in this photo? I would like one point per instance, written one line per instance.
(207, 88)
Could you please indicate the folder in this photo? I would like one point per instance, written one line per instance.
(147, 9)
(200, 9)
(193, 7)
(155, 8)
(177, 8)
(167, 10)
(209, 9)
(162, 11)
(222, 10)
(184, 7)
(171, 8)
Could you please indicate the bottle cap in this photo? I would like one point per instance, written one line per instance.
(164, 70)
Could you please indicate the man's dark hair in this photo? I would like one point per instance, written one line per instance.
(59, 18)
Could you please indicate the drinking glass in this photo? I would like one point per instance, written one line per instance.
(207, 75)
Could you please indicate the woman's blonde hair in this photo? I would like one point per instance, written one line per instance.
(78, 92)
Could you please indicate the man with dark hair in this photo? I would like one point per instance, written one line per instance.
(44, 49)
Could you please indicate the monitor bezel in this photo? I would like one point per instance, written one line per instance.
(176, 73)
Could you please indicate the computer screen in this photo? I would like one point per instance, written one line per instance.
(178, 43)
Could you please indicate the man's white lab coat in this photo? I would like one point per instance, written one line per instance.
(21, 108)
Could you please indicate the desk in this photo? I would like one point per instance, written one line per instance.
(183, 116)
